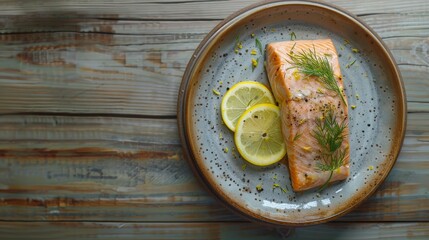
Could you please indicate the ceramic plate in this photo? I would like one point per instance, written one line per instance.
(372, 83)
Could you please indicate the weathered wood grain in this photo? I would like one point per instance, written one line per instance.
(176, 9)
(97, 168)
(209, 231)
(88, 93)
(83, 64)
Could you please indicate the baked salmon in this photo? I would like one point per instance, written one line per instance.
(312, 105)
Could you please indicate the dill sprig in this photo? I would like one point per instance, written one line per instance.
(297, 136)
(258, 44)
(292, 36)
(309, 63)
(330, 135)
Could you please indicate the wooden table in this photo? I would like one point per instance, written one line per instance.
(88, 136)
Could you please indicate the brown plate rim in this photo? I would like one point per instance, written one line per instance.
(184, 129)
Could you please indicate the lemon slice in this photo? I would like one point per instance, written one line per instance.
(258, 135)
(241, 97)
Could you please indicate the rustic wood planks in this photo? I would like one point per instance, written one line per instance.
(88, 95)
(209, 231)
(85, 168)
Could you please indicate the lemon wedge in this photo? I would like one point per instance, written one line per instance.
(258, 135)
(240, 98)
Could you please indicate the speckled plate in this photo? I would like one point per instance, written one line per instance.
(372, 83)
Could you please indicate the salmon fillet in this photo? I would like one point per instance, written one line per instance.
(302, 99)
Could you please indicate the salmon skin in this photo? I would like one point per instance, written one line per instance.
(302, 99)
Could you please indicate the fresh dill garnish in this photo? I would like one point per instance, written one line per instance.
(238, 44)
(259, 45)
(259, 187)
(276, 185)
(309, 63)
(291, 49)
(350, 64)
(254, 63)
(292, 36)
(330, 135)
(297, 136)
(215, 91)
(286, 189)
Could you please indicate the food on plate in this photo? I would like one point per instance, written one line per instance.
(306, 81)
(258, 135)
(241, 97)
(249, 110)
